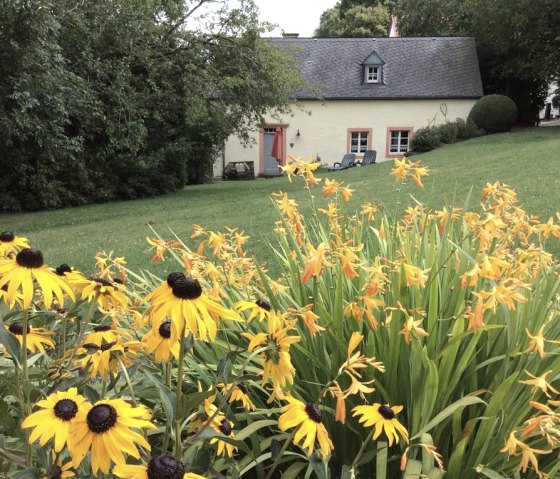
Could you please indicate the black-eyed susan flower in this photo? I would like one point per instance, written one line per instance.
(37, 338)
(238, 392)
(259, 309)
(55, 417)
(159, 467)
(109, 430)
(60, 471)
(103, 333)
(181, 298)
(163, 342)
(277, 360)
(104, 360)
(223, 426)
(20, 274)
(308, 418)
(383, 418)
(10, 243)
(107, 293)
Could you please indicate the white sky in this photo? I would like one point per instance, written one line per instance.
(293, 16)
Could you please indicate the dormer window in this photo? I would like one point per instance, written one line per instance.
(372, 74)
(373, 68)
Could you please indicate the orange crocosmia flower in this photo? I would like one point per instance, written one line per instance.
(314, 266)
(346, 193)
(289, 169)
(349, 260)
(310, 319)
(330, 187)
(527, 453)
(537, 342)
(475, 318)
(414, 275)
(400, 169)
(418, 173)
(336, 392)
(354, 310)
(540, 382)
(412, 326)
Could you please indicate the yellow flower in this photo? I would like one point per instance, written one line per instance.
(415, 276)
(383, 419)
(277, 360)
(400, 169)
(330, 187)
(540, 382)
(527, 453)
(223, 426)
(106, 292)
(37, 338)
(107, 429)
(309, 318)
(181, 298)
(55, 418)
(238, 392)
(413, 327)
(10, 243)
(314, 265)
(21, 272)
(104, 360)
(160, 467)
(309, 421)
(59, 472)
(537, 342)
(103, 333)
(259, 309)
(163, 342)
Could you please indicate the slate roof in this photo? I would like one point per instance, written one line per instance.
(415, 67)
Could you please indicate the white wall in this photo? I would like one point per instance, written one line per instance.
(324, 126)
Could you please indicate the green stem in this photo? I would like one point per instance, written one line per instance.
(129, 383)
(178, 397)
(281, 453)
(363, 448)
(25, 372)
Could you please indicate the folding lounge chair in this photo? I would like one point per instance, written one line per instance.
(348, 161)
(368, 159)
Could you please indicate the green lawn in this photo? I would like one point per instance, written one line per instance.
(528, 160)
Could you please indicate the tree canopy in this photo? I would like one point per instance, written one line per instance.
(354, 19)
(104, 100)
(518, 41)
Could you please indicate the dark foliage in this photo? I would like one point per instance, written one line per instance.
(494, 113)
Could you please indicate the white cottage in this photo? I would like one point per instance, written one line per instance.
(363, 94)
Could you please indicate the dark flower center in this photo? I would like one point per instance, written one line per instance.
(107, 346)
(7, 237)
(165, 467)
(386, 412)
(187, 288)
(57, 473)
(172, 277)
(65, 409)
(165, 330)
(17, 328)
(242, 388)
(314, 412)
(102, 281)
(90, 346)
(118, 281)
(5, 287)
(30, 258)
(225, 427)
(101, 328)
(263, 304)
(63, 269)
(101, 418)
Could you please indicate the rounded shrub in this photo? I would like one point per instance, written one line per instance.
(425, 139)
(494, 113)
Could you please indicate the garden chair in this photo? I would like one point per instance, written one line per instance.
(368, 159)
(348, 161)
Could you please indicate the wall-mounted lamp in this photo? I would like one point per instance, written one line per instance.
(297, 134)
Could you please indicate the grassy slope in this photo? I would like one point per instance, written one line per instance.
(528, 160)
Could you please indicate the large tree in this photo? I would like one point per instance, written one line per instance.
(518, 41)
(109, 99)
(356, 19)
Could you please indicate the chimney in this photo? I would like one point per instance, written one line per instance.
(394, 31)
(290, 35)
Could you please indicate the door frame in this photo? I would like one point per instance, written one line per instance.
(284, 141)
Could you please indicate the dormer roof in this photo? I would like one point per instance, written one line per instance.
(373, 59)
